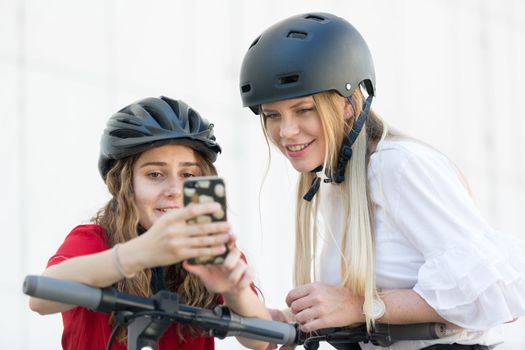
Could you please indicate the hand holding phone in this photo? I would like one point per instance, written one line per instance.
(202, 190)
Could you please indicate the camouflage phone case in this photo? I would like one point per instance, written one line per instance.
(202, 190)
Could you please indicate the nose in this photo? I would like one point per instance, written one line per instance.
(173, 188)
(289, 127)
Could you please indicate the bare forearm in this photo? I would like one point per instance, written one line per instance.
(404, 306)
(247, 304)
(95, 270)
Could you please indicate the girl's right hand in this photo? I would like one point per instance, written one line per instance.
(171, 240)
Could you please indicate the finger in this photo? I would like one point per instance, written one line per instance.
(191, 245)
(204, 251)
(236, 274)
(203, 272)
(282, 315)
(306, 315)
(287, 347)
(232, 242)
(232, 259)
(206, 241)
(277, 315)
(246, 279)
(271, 346)
(203, 229)
(299, 292)
(289, 316)
(198, 270)
(301, 304)
(313, 325)
(192, 211)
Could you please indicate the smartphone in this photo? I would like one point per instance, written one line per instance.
(205, 189)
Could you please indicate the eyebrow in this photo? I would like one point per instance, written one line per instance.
(295, 105)
(158, 163)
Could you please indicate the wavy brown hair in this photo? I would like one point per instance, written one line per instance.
(120, 219)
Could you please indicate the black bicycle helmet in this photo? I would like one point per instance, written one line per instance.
(303, 55)
(151, 122)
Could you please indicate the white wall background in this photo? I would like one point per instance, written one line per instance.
(449, 72)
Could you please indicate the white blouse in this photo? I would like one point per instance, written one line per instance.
(430, 237)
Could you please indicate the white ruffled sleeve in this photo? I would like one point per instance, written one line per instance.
(473, 276)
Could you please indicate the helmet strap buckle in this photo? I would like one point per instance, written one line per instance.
(345, 153)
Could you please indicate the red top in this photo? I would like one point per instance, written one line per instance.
(86, 329)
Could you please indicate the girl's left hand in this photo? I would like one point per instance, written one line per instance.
(281, 316)
(320, 305)
(229, 278)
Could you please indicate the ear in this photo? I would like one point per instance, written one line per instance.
(348, 109)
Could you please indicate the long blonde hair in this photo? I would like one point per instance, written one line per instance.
(357, 243)
(120, 219)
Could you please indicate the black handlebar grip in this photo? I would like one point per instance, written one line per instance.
(421, 331)
(266, 330)
(66, 292)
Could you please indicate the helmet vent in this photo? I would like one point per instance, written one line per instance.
(297, 35)
(254, 42)
(126, 133)
(129, 121)
(315, 18)
(289, 79)
(246, 88)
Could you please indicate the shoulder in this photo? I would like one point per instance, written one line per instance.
(82, 240)
(397, 152)
(410, 169)
(88, 234)
(394, 158)
(89, 230)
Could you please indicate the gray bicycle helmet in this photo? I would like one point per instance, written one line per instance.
(152, 122)
(303, 55)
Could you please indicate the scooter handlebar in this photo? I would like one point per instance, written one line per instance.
(67, 292)
(107, 300)
(221, 323)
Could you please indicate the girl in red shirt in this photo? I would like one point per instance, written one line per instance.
(139, 241)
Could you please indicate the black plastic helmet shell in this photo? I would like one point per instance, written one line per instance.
(152, 122)
(303, 55)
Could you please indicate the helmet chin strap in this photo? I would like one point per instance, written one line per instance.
(344, 154)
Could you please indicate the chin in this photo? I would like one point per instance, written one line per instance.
(303, 168)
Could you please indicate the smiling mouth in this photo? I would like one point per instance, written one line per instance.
(165, 210)
(298, 148)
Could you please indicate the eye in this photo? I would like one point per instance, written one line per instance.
(190, 172)
(271, 116)
(304, 110)
(154, 174)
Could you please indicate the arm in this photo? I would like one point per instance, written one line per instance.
(471, 273)
(95, 270)
(232, 280)
(404, 306)
(167, 242)
(284, 315)
(319, 305)
(247, 303)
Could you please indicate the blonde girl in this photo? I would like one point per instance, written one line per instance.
(386, 230)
